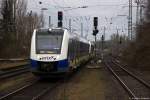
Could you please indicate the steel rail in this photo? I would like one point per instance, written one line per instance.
(15, 59)
(37, 97)
(17, 90)
(131, 94)
(17, 70)
(9, 75)
(41, 94)
(134, 76)
(12, 71)
(14, 67)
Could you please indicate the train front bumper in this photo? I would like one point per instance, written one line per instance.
(49, 68)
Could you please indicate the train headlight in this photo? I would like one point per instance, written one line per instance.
(50, 30)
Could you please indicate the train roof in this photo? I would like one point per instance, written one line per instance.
(72, 35)
(78, 37)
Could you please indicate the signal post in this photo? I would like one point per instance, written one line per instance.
(95, 31)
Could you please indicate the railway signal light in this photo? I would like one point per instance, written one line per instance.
(95, 32)
(60, 15)
(95, 21)
(60, 18)
(40, 2)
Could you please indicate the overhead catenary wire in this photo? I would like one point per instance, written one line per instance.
(64, 6)
(63, 9)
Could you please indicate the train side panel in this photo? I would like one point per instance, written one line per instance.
(63, 64)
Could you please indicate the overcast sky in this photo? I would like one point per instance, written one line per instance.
(106, 10)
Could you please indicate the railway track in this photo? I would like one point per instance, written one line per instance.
(14, 72)
(136, 87)
(33, 91)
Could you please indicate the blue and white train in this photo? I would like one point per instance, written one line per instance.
(56, 50)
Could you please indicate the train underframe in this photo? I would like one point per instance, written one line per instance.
(58, 68)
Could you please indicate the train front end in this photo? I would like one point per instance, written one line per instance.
(49, 52)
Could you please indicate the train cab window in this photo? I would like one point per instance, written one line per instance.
(49, 42)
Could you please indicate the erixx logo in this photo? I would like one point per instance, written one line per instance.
(48, 58)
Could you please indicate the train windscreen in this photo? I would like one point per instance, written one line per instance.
(49, 42)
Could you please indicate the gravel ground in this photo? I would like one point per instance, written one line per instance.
(90, 84)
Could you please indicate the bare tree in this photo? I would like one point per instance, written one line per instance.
(137, 54)
(118, 44)
(17, 27)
